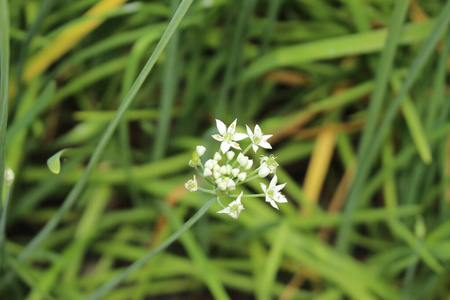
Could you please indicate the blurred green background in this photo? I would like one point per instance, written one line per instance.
(355, 93)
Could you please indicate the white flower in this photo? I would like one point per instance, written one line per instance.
(207, 172)
(272, 192)
(234, 208)
(191, 185)
(242, 159)
(242, 176)
(217, 156)
(230, 155)
(200, 150)
(249, 164)
(263, 170)
(258, 139)
(270, 163)
(228, 137)
(210, 164)
(235, 172)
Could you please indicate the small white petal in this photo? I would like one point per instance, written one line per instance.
(239, 136)
(255, 147)
(235, 172)
(226, 210)
(235, 146)
(250, 132)
(224, 147)
(263, 187)
(207, 172)
(263, 171)
(232, 127)
(209, 164)
(217, 137)
(221, 127)
(265, 145)
(274, 204)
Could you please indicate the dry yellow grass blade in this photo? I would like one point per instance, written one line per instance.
(67, 39)
(318, 165)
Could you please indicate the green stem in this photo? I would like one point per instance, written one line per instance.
(4, 85)
(206, 190)
(139, 263)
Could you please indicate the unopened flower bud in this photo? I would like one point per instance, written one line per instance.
(222, 186)
(209, 164)
(217, 156)
(242, 176)
(249, 164)
(230, 155)
(242, 160)
(200, 150)
(263, 171)
(235, 172)
(207, 172)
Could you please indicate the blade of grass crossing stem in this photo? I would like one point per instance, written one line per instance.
(199, 258)
(169, 91)
(375, 105)
(139, 263)
(79, 186)
(273, 262)
(4, 86)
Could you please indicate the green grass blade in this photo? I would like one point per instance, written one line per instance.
(80, 185)
(4, 85)
(139, 263)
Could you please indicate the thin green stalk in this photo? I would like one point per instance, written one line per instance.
(78, 188)
(139, 263)
(4, 85)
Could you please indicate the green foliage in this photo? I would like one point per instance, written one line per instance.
(131, 87)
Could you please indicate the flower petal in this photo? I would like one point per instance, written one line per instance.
(221, 127)
(279, 187)
(232, 127)
(263, 187)
(258, 130)
(217, 137)
(239, 136)
(273, 182)
(255, 147)
(265, 145)
(226, 210)
(274, 205)
(250, 132)
(235, 146)
(267, 136)
(224, 147)
(281, 199)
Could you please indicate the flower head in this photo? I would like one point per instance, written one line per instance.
(272, 192)
(228, 137)
(270, 163)
(234, 208)
(191, 185)
(258, 139)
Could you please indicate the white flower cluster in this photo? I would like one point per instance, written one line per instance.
(225, 170)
